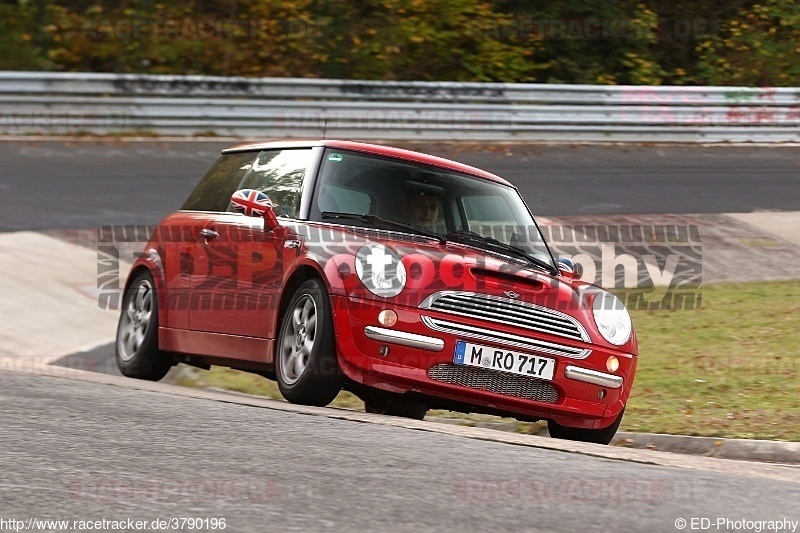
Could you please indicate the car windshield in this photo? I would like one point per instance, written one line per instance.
(455, 206)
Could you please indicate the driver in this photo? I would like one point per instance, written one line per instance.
(423, 210)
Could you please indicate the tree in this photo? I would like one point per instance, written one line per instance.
(741, 42)
(759, 47)
(21, 44)
(461, 40)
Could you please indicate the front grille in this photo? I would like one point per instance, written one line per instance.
(508, 339)
(507, 311)
(494, 381)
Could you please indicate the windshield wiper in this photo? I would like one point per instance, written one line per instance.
(473, 237)
(373, 219)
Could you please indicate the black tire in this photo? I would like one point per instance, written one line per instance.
(306, 365)
(598, 436)
(136, 348)
(385, 404)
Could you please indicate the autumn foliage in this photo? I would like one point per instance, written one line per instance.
(591, 41)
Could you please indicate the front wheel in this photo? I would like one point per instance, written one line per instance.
(306, 366)
(598, 436)
(136, 349)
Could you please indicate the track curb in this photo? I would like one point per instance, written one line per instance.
(762, 451)
(767, 451)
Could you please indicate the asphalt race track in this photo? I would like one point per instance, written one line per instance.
(86, 451)
(52, 184)
(93, 445)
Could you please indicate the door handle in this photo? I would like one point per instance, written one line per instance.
(208, 233)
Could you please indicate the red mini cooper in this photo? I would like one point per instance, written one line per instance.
(415, 282)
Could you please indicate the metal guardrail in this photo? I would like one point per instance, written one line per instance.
(57, 103)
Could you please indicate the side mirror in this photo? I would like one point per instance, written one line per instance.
(569, 268)
(254, 203)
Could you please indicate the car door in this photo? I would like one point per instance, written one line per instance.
(240, 266)
(180, 233)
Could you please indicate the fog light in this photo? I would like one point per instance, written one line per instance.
(387, 318)
(612, 363)
(383, 350)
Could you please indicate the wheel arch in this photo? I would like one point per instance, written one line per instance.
(150, 261)
(300, 275)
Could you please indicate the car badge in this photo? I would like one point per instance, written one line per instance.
(511, 294)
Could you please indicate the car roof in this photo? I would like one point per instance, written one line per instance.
(375, 149)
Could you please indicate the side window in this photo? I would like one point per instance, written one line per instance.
(279, 174)
(214, 191)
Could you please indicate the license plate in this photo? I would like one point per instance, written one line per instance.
(504, 360)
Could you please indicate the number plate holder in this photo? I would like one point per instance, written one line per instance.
(503, 360)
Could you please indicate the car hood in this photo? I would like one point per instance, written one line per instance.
(430, 267)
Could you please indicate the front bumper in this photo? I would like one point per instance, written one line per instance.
(413, 357)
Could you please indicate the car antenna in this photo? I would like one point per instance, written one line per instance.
(324, 128)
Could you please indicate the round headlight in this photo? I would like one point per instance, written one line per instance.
(612, 318)
(380, 270)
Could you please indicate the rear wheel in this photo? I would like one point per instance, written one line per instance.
(598, 436)
(136, 348)
(306, 367)
(385, 404)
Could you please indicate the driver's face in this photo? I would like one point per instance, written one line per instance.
(424, 210)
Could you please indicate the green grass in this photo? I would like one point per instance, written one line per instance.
(234, 380)
(727, 369)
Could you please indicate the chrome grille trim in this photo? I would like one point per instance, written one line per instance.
(494, 381)
(507, 311)
(534, 345)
